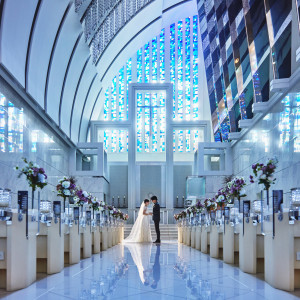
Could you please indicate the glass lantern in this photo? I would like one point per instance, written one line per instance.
(45, 211)
(256, 207)
(5, 205)
(295, 197)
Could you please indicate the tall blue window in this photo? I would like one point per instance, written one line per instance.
(11, 126)
(151, 59)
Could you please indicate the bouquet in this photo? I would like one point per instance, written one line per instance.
(264, 173)
(35, 176)
(94, 203)
(102, 205)
(199, 206)
(124, 217)
(81, 197)
(191, 210)
(179, 216)
(210, 204)
(236, 188)
(66, 187)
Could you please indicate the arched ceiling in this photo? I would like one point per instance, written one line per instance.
(42, 46)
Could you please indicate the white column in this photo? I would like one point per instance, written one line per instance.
(169, 149)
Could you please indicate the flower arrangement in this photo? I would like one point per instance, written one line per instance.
(94, 203)
(265, 173)
(210, 204)
(82, 197)
(35, 176)
(181, 215)
(124, 217)
(102, 205)
(66, 187)
(199, 206)
(236, 188)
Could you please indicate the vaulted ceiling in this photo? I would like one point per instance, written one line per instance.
(42, 46)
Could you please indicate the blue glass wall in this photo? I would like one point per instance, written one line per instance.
(238, 37)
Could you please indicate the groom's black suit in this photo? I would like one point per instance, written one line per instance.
(156, 219)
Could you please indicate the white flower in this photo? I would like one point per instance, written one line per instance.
(111, 212)
(263, 177)
(66, 192)
(221, 198)
(30, 171)
(94, 200)
(101, 208)
(85, 194)
(65, 184)
(36, 166)
(208, 203)
(76, 198)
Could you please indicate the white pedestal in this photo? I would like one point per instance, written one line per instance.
(216, 242)
(179, 229)
(50, 248)
(228, 244)
(18, 269)
(205, 239)
(251, 255)
(110, 237)
(86, 242)
(193, 236)
(184, 235)
(280, 258)
(188, 235)
(198, 238)
(96, 240)
(72, 246)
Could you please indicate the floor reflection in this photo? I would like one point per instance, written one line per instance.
(141, 253)
(145, 272)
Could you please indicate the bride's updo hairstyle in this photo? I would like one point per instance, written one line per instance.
(146, 201)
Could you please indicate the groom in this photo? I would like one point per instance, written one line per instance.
(156, 217)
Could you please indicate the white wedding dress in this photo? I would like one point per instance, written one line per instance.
(141, 231)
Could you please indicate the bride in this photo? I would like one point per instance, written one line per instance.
(141, 231)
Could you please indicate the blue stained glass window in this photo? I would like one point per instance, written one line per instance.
(139, 66)
(114, 99)
(180, 140)
(172, 62)
(11, 126)
(151, 68)
(162, 55)
(114, 141)
(106, 105)
(147, 62)
(296, 113)
(188, 141)
(122, 112)
(180, 71)
(154, 60)
(195, 68)
(187, 69)
(128, 80)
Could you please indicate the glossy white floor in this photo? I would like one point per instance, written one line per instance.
(146, 271)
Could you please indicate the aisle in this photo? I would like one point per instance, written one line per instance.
(146, 271)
